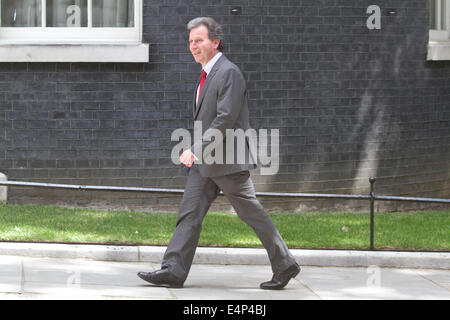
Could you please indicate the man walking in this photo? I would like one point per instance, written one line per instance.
(220, 103)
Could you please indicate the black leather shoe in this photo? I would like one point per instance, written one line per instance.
(279, 281)
(161, 278)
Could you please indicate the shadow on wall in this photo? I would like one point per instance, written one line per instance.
(391, 125)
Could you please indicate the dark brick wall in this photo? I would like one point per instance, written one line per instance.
(349, 102)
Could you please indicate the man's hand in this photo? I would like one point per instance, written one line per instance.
(187, 158)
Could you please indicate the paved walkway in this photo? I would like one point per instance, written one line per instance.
(24, 277)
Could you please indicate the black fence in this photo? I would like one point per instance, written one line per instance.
(371, 197)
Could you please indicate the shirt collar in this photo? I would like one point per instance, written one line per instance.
(212, 62)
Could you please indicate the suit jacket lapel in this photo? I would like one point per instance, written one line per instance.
(208, 80)
(194, 101)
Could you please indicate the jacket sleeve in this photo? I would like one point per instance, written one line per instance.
(230, 99)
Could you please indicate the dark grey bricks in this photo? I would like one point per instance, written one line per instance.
(349, 103)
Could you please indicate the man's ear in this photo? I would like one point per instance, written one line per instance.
(216, 44)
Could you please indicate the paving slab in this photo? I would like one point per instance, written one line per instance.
(11, 270)
(87, 279)
(374, 283)
(439, 277)
(237, 282)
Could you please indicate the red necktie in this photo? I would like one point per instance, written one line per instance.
(202, 81)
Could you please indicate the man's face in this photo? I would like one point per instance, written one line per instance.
(202, 48)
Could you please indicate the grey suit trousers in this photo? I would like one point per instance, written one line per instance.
(198, 196)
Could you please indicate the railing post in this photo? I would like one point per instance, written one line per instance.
(372, 209)
(3, 190)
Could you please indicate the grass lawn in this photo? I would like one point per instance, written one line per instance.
(425, 230)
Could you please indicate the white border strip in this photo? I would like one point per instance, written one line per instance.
(237, 256)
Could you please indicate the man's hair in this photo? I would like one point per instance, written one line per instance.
(215, 31)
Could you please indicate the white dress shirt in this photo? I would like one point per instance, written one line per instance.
(208, 69)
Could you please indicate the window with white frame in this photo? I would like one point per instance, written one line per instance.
(439, 37)
(112, 28)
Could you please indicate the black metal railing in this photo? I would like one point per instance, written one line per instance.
(371, 197)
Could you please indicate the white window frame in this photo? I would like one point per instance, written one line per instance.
(439, 36)
(84, 44)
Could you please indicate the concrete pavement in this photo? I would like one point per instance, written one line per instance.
(67, 271)
(49, 278)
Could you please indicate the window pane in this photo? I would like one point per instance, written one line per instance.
(439, 14)
(21, 13)
(66, 13)
(445, 13)
(113, 13)
(432, 14)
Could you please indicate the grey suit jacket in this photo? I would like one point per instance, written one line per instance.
(223, 105)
